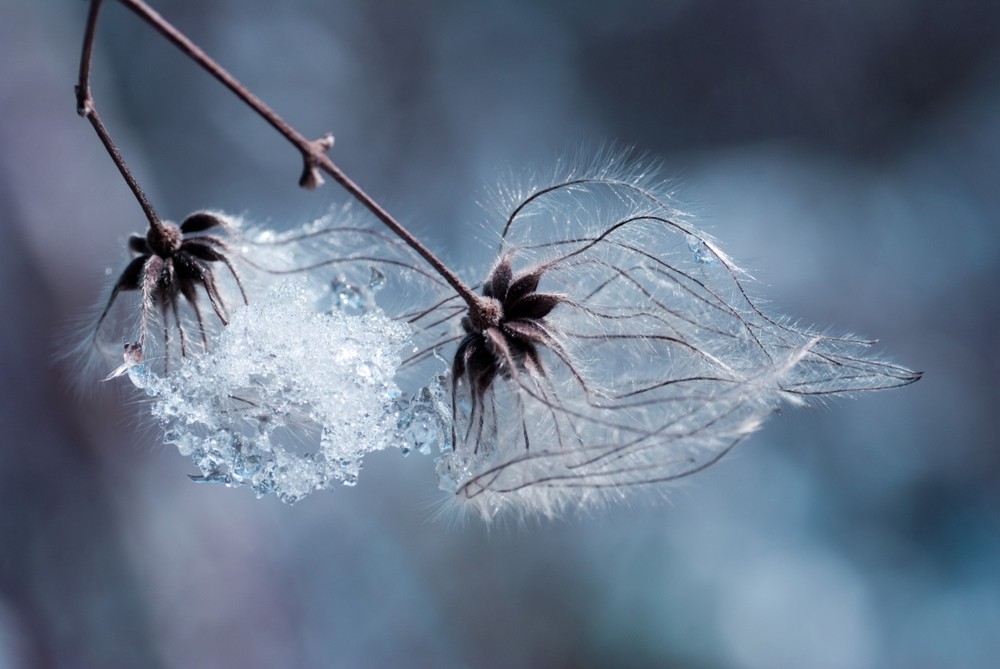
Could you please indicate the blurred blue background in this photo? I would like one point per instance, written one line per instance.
(848, 153)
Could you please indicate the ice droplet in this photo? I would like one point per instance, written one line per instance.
(377, 280)
(423, 422)
(702, 253)
(348, 298)
(141, 377)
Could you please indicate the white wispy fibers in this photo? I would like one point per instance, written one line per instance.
(627, 351)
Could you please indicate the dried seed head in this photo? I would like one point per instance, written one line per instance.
(172, 265)
(164, 239)
(628, 352)
(487, 314)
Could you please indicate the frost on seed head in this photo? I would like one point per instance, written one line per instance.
(288, 400)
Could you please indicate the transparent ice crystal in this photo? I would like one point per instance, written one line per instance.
(288, 401)
(425, 420)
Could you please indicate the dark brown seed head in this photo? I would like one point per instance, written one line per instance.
(164, 239)
(488, 314)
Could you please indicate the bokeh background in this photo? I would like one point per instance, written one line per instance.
(847, 152)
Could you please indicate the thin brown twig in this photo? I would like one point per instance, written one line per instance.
(313, 152)
(85, 108)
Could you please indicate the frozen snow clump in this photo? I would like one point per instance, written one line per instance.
(288, 400)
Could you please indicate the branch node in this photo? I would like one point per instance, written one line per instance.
(324, 143)
(312, 178)
(84, 103)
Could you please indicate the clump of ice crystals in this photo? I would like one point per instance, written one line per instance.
(288, 401)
